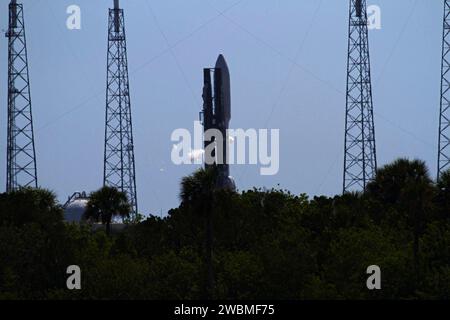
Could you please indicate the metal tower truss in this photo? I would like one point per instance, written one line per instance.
(21, 154)
(360, 161)
(119, 163)
(444, 120)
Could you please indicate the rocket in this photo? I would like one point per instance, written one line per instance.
(217, 115)
(223, 93)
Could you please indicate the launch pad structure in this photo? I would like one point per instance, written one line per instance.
(119, 168)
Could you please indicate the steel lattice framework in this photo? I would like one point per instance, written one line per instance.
(360, 160)
(21, 154)
(444, 121)
(119, 163)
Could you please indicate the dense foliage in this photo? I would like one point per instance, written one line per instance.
(266, 244)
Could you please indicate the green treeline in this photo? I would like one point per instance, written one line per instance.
(263, 244)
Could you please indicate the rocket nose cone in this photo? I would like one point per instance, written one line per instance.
(221, 63)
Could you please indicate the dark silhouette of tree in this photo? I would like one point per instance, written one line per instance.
(107, 203)
(443, 196)
(406, 186)
(29, 205)
(197, 194)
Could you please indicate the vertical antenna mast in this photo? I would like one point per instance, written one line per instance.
(116, 16)
(360, 160)
(119, 164)
(444, 119)
(21, 154)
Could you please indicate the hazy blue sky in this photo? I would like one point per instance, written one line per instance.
(287, 60)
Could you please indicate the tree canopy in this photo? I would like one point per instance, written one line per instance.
(267, 244)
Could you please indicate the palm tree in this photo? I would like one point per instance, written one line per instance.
(406, 184)
(394, 180)
(197, 193)
(106, 203)
(27, 205)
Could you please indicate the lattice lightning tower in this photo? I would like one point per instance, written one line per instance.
(21, 154)
(119, 164)
(360, 160)
(444, 120)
